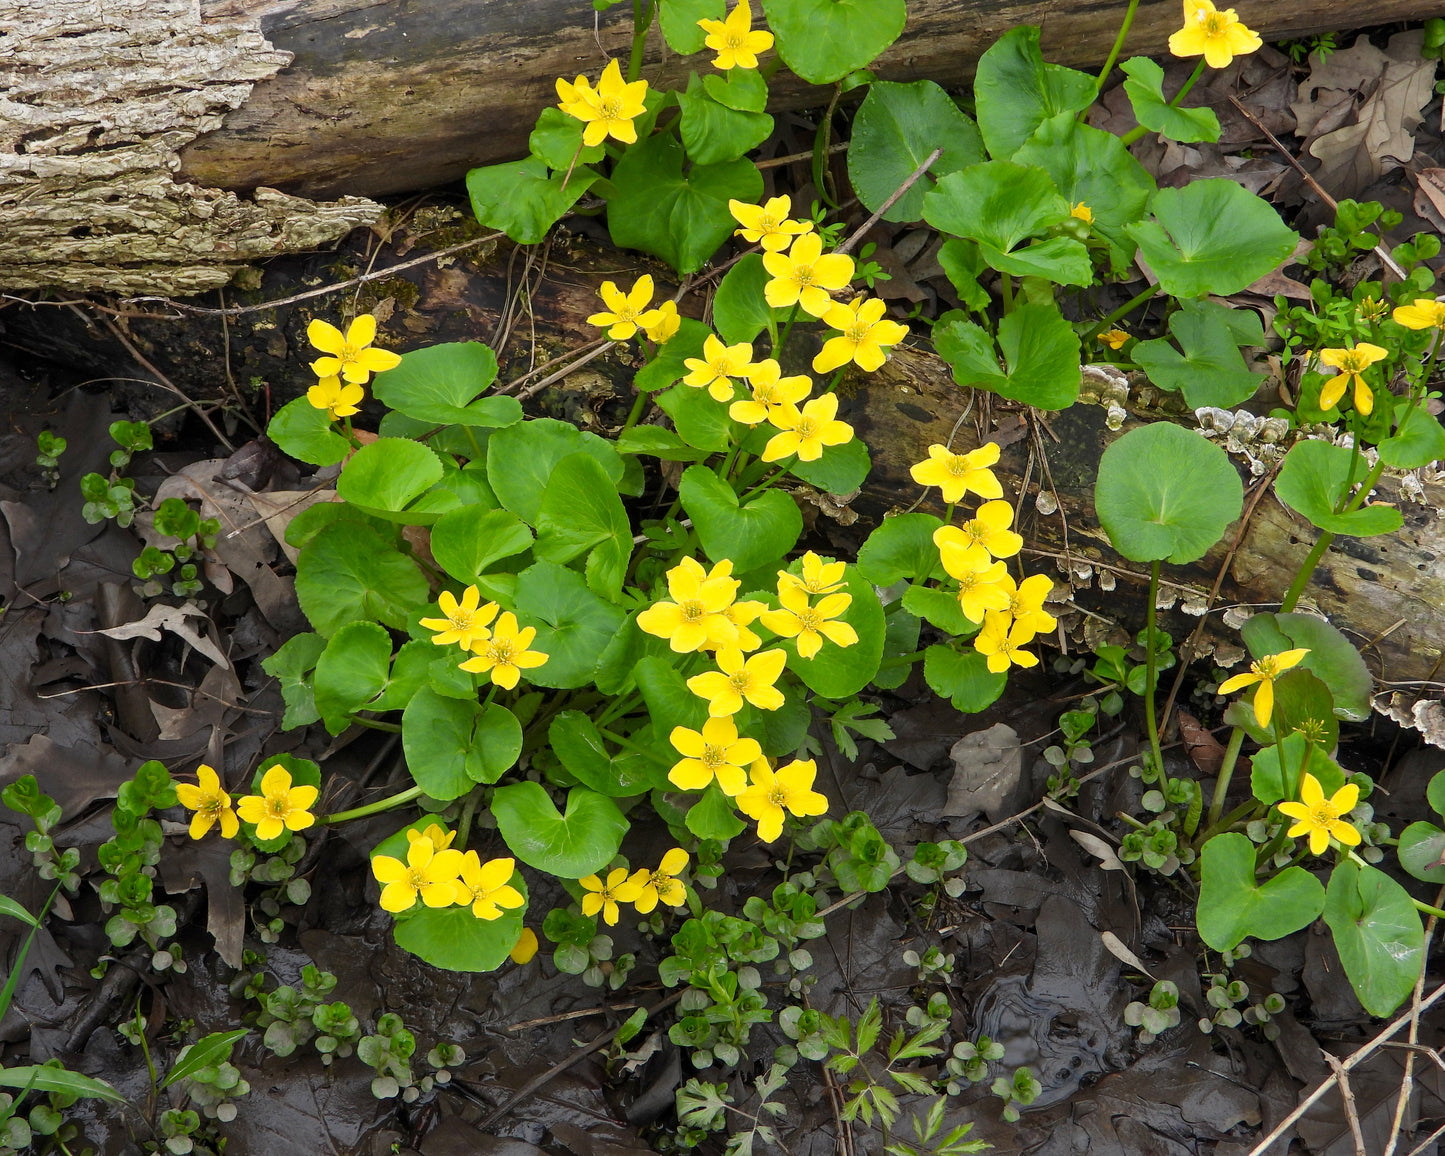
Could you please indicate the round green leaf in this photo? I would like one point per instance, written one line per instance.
(1091, 167)
(1377, 933)
(1332, 658)
(713, 132)
(575, 740)
(350, 672)
(900, 547)
(1266, 780)
(1313, 481)
(1422, 852)
(895, 130)
(841, 469)
(300, 429)
(996, 202)
(669, 702)
(569, 845)
(1435, 793)
(522, 200)
(1232, 907)
(839, 671)
(824, 40)
(1040, 348)
(465, 543)
(581, 513)
(679, 18)
(1212, 236)
(438, 383)
(1164, 492)
(520, 460)
(453, 744)
(757, 534)
(557, 139)
(573, 625)
(739, 310)
(1145, 88)
(964, 679)
(388, 475)
(348, 573)
(1418, 441)
(1015, 91)
(454, 939)
(939, 608)
(702, 422)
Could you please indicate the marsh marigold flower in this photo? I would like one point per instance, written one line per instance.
(810, 624)
(627, 312)
(607, 110)
(665, 324)
(1026, 602)
(714, 753)
(737, 678)
(1423, 313)
(427, 873)
(440, 837)
(696, 618)
(1115, 339)
(279, 807)
(805, 275)
(1082, 212)
(773, 795)
(988, 528)
(662, 885)
(770, 390)
(958, 474)
(1351, 363)
(505, 655)
(1217, 36)
(210, 803)
(717, 367)
(575, 97)
(1264, 672)
(768, 224)
(1320, 818)
(336, 399)
(981, 580)
(620, 887)
(734, 41)
(464, 622)
(349, 355)
(486, 887)
(806, 431)
(1002, 640)
(862, 334)
(819, 577)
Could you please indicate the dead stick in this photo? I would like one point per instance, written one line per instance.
(909, 182)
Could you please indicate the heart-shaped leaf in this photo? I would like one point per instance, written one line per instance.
(1040, 348)
(570, 845)
(824, 40)
(1210, 371)
(739, 309)
(575, 740)
(306, 433)
(348, 573)
(1332, 657)
(1377, 933)
(453, 744)
(900, 547)
(1015, 91)
(522, 199)
(351, 672)
(438, 383)
(1419, 440)
(1267, 781)
(1232, 906)
(1422, 852)
(388, 475)
(756, 534)
(465, 543)
(520, 460)
(1313, 483)
(962, 678)
(581, 512)
(573, 624)
(712, 132)
(713, 816)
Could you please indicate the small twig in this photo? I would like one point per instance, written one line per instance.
(165, 383)
(909, 182)
(1408, 1079)
(775, 162)
(537, 387)
(1347, 1097)
(580, 1013)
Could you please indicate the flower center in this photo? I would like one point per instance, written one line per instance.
(349, 353)
(279, 806)
(212, 807)
(735, 40)
(611, 108)
(416, 878)
(975, 530)
(778, 797)
(1354, 361)
(693, 610)
(811, 619)
(739, 681)
(957, 466)
(857, 333)
(502, 652)
(659, 881)
(712, 757)
(1215, 23)
(1323, 814)
(461, 619)
(803, 275)
(807, 428)
(766, 224)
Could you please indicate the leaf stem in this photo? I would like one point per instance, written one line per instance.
(389, 803)
(1226, 772)
(1124, 27)
(1151, 660)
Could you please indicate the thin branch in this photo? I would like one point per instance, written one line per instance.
(911, 180)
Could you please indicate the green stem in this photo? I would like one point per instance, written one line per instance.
(1226, 772)
(1422, 907)
(1006, 291)
(469, 808)
(1118, 47)
(820, 149)
(1188, 84)
(389, 803)
(1151, 660)
(1124, 310)
(376, 724)
(636, 412)
(642, 13)
(1317, 551)
(766, 483)
(837, 377)
(787, 329)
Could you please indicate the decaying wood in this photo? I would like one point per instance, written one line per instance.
(97, 98)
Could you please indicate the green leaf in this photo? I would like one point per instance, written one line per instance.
(1145, 87)
(671, 360)
(713, 132)
(570, 845)
(557, 139)
(669, 702)
(840, 671)
(1211, 370)
(1377, 933)
(655, 442)
(1015, 91)
(453, 744)
(468, 541)
(939, 608)
(18, 911)
(1313, 481)
(841, 470)
(1232, 907)
(964, 679)
(1040, 348)
(291, 666)
(573, 625)
(212, 1049)
(1332, 658)
(963, 264)
(1266, 780)
(900, 547)
(385, 477)
(701, 422)
(895, 130)
(1212, 236)
(754, 535)
(438, 384)
(581, 513)
(679, 23)
(306, 434)
(824, 40)
(1091, 167)
(1422, 852)
(520, 460)
(454, 939)
(1164, 492)
(1435, 793)
(740, 88)
(62, 1081)
(350, 672)
(680, 218)
(713, 816)
(348, 573)
(739, 309)
(1419, 440)
(410, 671)
(522, 200)
(575, 740)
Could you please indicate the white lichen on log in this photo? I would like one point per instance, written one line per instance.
(97, 98)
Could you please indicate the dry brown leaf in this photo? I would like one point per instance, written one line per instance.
(174, 619)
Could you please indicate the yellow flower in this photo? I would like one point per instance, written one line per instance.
(665, 325)
(1425, 313)
(210, 803)
(718, 366)
(819, 577)
(736, 679)
(440, 837)
(486, 887)
(1082, 212)
(957, 474)
(279, 807)
(734, 41)
(629, 312)
(768, 223)
(810, 624)
(336, 399)
(862, 334)
(427, 872)
(1115, 339)
(805, 276)
(715, 752)
(505, 654)
(770, 390)
(1352, 363)
(525, 947)
(696, 618)
(1264, 672)
(788, 790)
(1001, 641)
(988, 528)
(806, 431)
(663, 884)
(981, 580)
(1217, 36)
(604, 897)
(608, 109)
(350, 357)
(1322, 818)
(1026, 602)
(464, 622)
